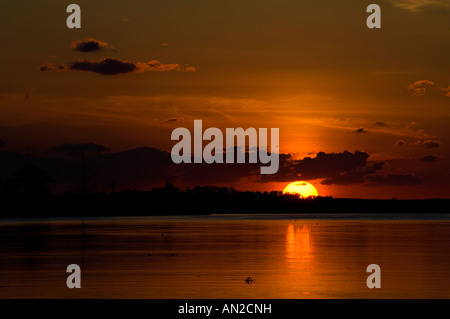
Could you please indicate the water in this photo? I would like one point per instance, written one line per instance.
(211, 256)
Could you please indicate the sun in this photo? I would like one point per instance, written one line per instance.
(303, 189)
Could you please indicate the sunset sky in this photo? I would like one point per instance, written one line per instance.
(368, 108)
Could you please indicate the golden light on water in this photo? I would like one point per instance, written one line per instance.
(299, 251)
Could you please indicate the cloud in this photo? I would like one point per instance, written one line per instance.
(344, 168)
(429, 159)
(419, 88)
(424, 143)
(446, 90)
(88, 45)
(383, 124)
(400, 143)
(207, 174)
(2, 144)
(78, 149)
(174, 119)
(392, 180)
(414, 135)
(155, 65)
(331, 165)
(107, 66)
(418, 5)
(51, 67)
(144, 168)
(357, 176)
(188, 68)
(420, 83)
(325, 165)
(139, 168)
(112, 66)
(360, 131)
(428, 144)
(340, 168)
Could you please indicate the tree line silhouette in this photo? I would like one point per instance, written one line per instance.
(28, 194)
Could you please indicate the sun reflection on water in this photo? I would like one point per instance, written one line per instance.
(299, 246)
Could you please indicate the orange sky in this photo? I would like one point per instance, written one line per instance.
(312, 69)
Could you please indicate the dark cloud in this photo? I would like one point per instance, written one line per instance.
(132, 169)
(218, 173)
(326, 165)
(428, 144)
(207, 174)
(347, 178)
(51, 67)
(357, 176)
(381, 124)
(88, 45)
(112, 66)
(78, 149)
(106, 66)
(174, 119)
(140, 168)
(12, 162)
(392, 180)
(337, 169)
(2, 144)
(361, 130)
(429, 159)
(400, 143)
(144, 168)
(331, 166)
(431, 144)
(286, 171)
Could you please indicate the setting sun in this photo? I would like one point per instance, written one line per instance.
(303, 189)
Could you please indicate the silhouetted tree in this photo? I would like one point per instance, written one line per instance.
(10, 188)
(86, 174)
(32, 181)
(170, 189)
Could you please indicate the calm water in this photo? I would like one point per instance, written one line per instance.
(211, 256)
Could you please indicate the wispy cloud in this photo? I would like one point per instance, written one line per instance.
(414, 136)
(418, 5)
(112, 66)
(428, 143)
(174, 120)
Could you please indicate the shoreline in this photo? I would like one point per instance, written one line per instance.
(235, 217)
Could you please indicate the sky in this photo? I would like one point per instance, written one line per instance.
(362, 112)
